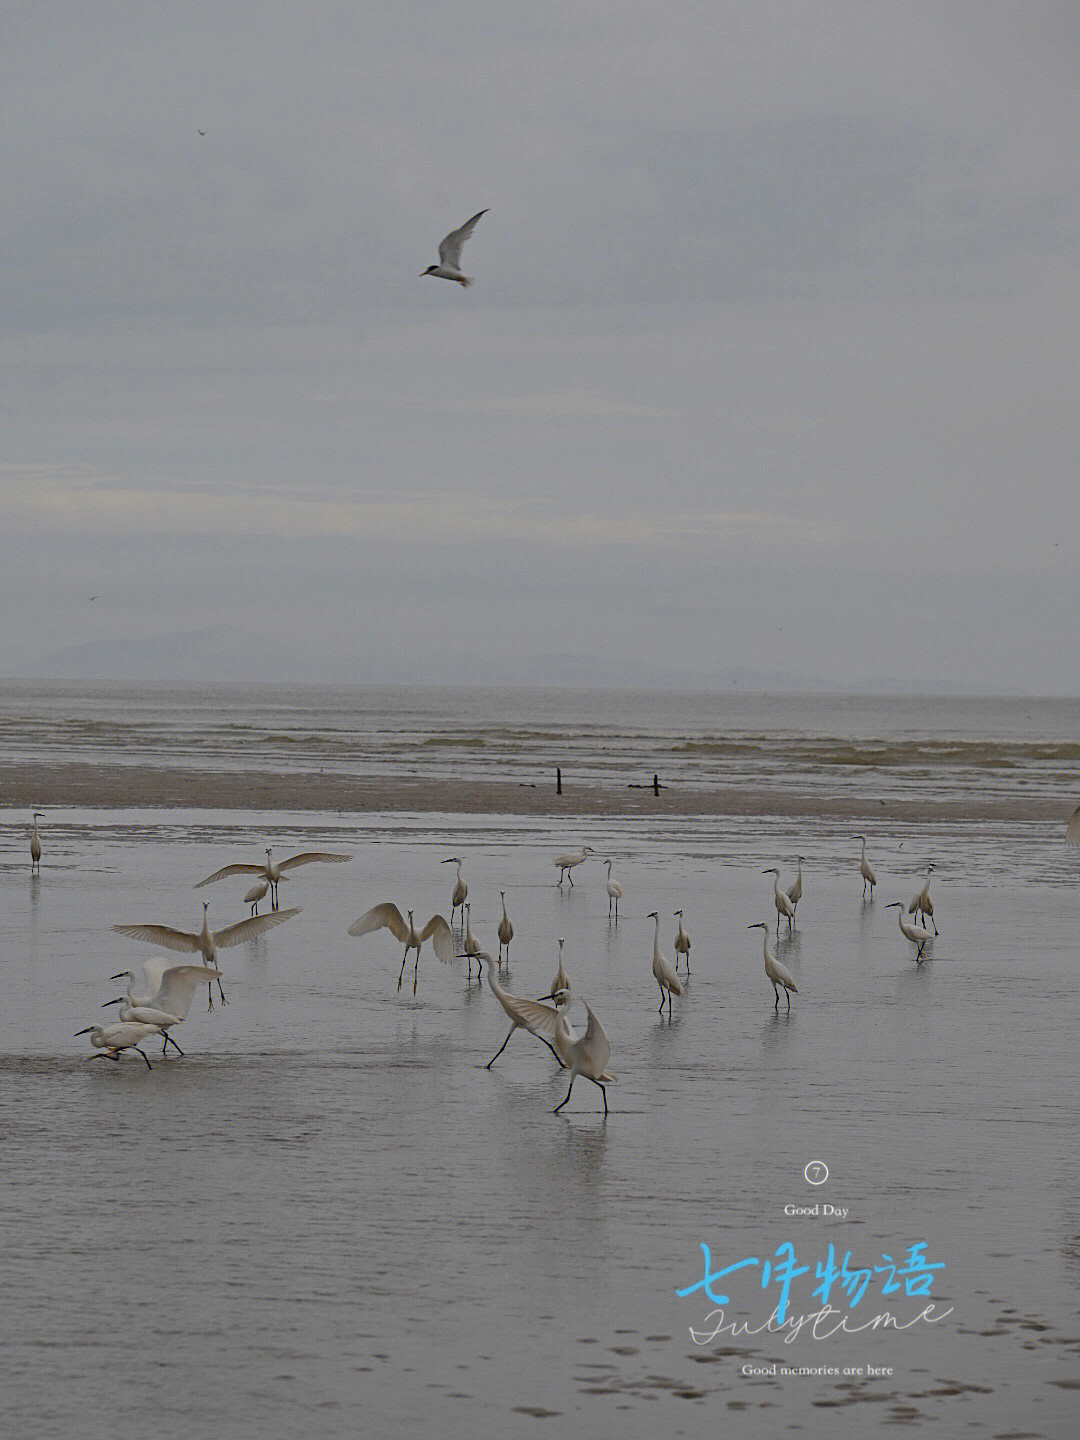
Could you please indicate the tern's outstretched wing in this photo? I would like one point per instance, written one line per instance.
(161, 935)
(379, 915)
(240, 867)
(1072, 834)
(308, 856)
(450, 249)
(248, 929)
(178, 986)
(438, 932)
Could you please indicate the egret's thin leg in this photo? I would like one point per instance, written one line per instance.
(415, 971)
(401, 972)
(603, 1092)
(551, 1047)
(501, 1048)
(143, 1054)
(169, 1040)
(661, 989)
(559, 1107)
(570, 878)
(776, 992)
(221, 992)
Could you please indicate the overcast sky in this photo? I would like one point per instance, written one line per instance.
(770, 364)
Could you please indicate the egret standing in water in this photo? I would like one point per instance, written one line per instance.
(783, 905)
(35, 843)
(778, 974)
(922, 905)
(917, 934)
(469, 946)
(586, 1055)
(566, 862)
(868, 876)
(665, 976)
(531, 1015)
(794, 894)
(682, 942)
(562, 980)
(461, 889)
(388, 916)
(206, 940)
(614, 892)
(505, 931)
(111, 1039)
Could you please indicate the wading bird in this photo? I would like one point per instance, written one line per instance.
(208, 941)
(917, 934)
(783, 905)
(868, 876)
(682, 942)
(795, 893)
(255, 894)
(586, 1055)
(469, 945)
(111, 1039)
(666, 978)
(147, 1015)
(35, 843)
(461, 889)
(164, 989)
(449, 266)
(614, 892)
(506, 930)
(778, 974)
(922, 905)
(388, 916)
(566, 862)
(531, 1015)
(272, 871)
(562, 980)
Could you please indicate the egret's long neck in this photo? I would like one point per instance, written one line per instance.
(656, 939)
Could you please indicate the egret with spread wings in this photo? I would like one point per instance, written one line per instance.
(206, 940)
(272, 871)
(388, 916)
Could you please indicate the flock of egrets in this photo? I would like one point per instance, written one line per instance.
(160, 996)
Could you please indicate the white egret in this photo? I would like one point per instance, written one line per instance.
(506, 930)
(147, 1015)
(778, 974)
(531, 1015)
(561, 982)
(917, 934)
(614, 892)
(585, 1055)
(566, 862)
(922, 904)
(868, 876)
(783, 905)
(449, 266)
(388, 916)
(1072, 834)
(206, 940)
(794, 894)
(682, 942)
(35, 843)
(165, 989)
(666, 978)
(255, 894)
(273, 870)
(111, 1039)
(469, 945)
(461, 888)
